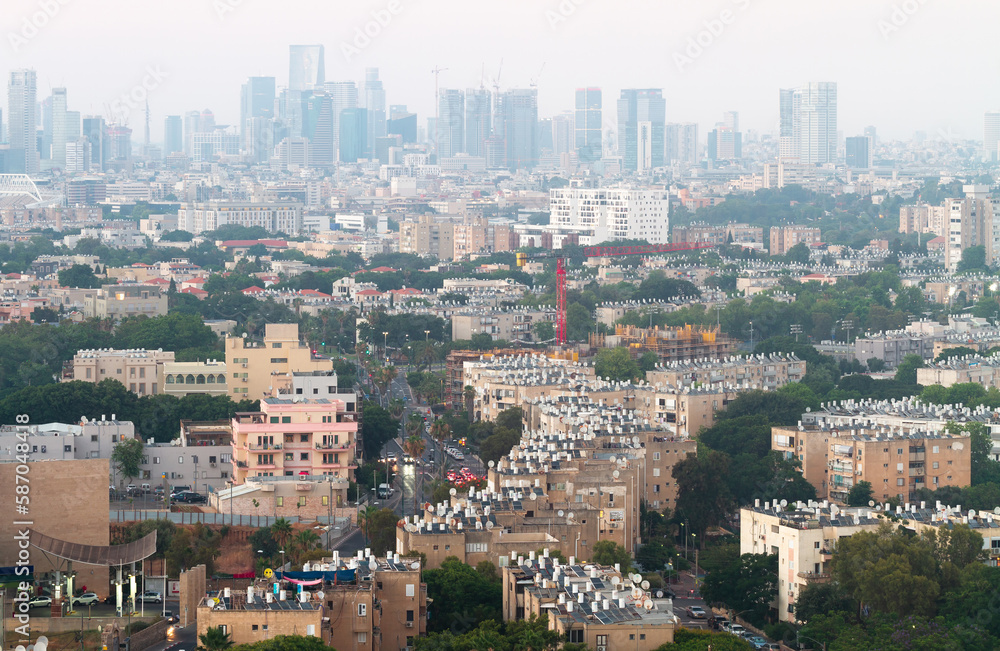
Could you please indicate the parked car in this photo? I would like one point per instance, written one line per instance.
(190, 497)
(170, 617)
(151, 596)
(39, 600)
(384, 491)
(696, 612)
(178, 489)
(758, 642)
(158, 491)
(736, 629)
(86, 599)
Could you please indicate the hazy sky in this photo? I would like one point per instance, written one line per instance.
(901, 65)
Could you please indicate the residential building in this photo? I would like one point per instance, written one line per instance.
(859, 152)
(731, 233)
(669, 344)
(88, 439)
(515, 325)
(448, 239)
(298, 439)
(785, 237)
(765, 371)
(893, 346)
(641, 129)
(923, 218)
(120, 301)
(970, 223)
(22, 89)
(201, 457)
(186, 378)
(808, 123)
(593, 605)
(662, 453)
(197, 218)
(449, 139)
(611, 214)
(141, 371)
(681, 143)
(263, 368)
(173, 135)
(984, 371)
(804, 536)
(517, 117)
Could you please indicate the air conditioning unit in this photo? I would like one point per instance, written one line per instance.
(601, 647)
(212, 464)
(409, 624)
(244, 365)
(244, 379)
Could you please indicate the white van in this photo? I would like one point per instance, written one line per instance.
(384, 491)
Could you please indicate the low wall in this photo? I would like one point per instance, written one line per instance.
(63, 624)
(147, 637)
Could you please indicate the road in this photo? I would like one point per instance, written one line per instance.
(179, 638)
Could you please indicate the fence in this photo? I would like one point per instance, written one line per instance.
(182, 517)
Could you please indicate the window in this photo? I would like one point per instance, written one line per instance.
(326, 500)
(303, 456)
(900, 481)
(656, 457)
(935, 465)
(289, 456)
(276, 344)
(935, 449)
(180, 460)
(274, 419)
(362, 637)
(279, 360)
(409, 615)
(656, 472)
(602, 640)
(362, 610)
(302, 500)
(303, 438)
(286, 419)
(410, 589)
(253, 627)
(279, 500)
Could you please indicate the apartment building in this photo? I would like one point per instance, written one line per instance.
(264, 368)
(141, 371)
(607, 214)
(923, 218)
(669, 344)
(984, 371)
(662, 453)
(895, 463)
(893, 346)
(284, 217)
(300, 438)
(448, 239)
(120, 301)
(804, 537)
(186, 378)
(516, 325)
(765, 371)
(732, 233)
(587, 604)
(88, 439)
(785, 237)
(684, 412)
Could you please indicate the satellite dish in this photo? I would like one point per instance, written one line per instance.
(210, 602)
(453, 491)
(644, 585)
(570, 515)
(411, 528)
(659, 594)
(430, 508)
(614, 459)
(492, 463)
(784, 503)
(415, 565)
(635, 440)
(561, 513)
(320, 595)
(636, 578)
(616, 474)
(489, 526)
(534, 497)
(871, 502)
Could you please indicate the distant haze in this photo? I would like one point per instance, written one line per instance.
(902, 66)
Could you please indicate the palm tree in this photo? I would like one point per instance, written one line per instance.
(215, 639)
(365, 517)
(306, 540)
(415, 446)
(440, 431)
(413, 424)
(396, 407)
(469, 393)
(281, 531)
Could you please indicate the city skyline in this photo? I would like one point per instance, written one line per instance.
(661, 50)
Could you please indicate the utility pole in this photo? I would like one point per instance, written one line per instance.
(751, 336)
(796, 330)
(847, 325)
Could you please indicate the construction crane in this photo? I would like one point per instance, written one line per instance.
(597, 252)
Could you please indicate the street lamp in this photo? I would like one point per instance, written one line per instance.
(799, 638)
(796, 330)
(385, 347)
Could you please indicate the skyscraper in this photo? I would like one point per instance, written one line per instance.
(374, 104)
(519, 119)
(451, 123)
(306, 67)
(858, 152)
(256, 101)
(353, 133)
(808, 119)
(343, 95)
(95, 131)
(589, 125)
(681, 143)
(403, 123)
(641, 124)
(317, 126)
(725, 142)
(21, 94)
(478, 118)
(173, 135)
(991, 134)
(57, 152)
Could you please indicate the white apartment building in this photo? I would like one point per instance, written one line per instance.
(603, 214)
(88, 439)
(200, 217)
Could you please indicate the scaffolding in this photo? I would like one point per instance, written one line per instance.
(669, 344)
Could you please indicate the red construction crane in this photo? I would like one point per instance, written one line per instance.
(597, 252)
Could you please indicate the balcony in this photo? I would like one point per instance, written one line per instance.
(263, 446)
(336, 447)
(241, 464)
(814, 577)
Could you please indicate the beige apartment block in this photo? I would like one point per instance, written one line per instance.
(785, 237)
(141, 371)
(121, 301)
(610, 618)
(662, 453)
(258, 369)
(764, 371)
(978, 370)
(896, 464)
(184, 378)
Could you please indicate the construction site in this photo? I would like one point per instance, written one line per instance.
(670, 344)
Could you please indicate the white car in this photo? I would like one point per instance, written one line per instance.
(39, 600)
(151, 596)
(86, 599)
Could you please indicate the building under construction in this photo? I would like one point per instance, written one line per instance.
(669, 344)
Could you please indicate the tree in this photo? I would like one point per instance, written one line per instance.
(957, 351)
(860, 494)
(544, 331)
(382, 531)
(365, 517)
(616, 364)
(286, 643)
(378, 427)
(127, 457)
(875, 365)
(44, 315)
(497, 445)
(973, 259)
(81, 276)
(608, 552)
(702, 500)
(906, 372)
(653, 556)
(798, 254)
(282, 532)
(746, 584)
(215, 639)
(461, 594)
